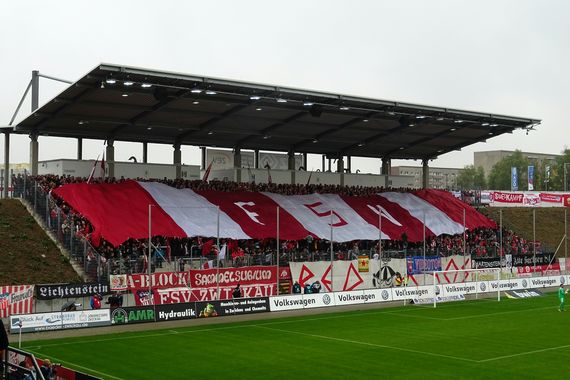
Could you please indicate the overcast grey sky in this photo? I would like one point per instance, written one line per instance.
(505, 57)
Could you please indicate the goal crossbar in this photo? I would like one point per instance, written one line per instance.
(496, 277)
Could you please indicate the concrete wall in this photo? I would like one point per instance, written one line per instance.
(224, 159)
(302, 177)
(82, 168)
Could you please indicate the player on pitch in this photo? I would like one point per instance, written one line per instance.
(561, 294)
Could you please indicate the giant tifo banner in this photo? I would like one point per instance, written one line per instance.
(203, 285)
(528, 199)
(121, 211)
(17, 299)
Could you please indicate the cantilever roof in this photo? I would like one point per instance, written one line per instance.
(139, 105)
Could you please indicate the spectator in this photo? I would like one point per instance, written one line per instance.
(316, 287)
(236, 293)
(296, 288)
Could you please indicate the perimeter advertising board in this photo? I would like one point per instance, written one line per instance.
(130, 315)
(59, 320)
(232, 307)
(301, 301)
(175, 311)
(413, 292)
(355, 297)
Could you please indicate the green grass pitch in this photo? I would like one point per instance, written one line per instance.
(482, 339)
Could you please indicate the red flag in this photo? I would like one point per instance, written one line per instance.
(207, 247)
(207, 172)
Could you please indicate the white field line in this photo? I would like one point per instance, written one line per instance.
(475, 316)
(54, 359)
(279, 322)
(173, 332)
(368, 344)
(523, 353)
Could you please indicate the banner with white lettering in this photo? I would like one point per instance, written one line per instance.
(232, 307)
(16, 299)
(158, 280)
(420, 264)
(174, 312)
(119, 212)
(53, 291)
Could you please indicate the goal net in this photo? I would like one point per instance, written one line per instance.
(454, 285)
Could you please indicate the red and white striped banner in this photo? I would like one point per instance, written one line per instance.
(16, 299)
(120, 211)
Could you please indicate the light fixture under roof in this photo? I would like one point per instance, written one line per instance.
(258, 109)
(494, 125)
(439, 118)
(281, 100)
(124, 95)
(484, 124)
(210, 132)
(308, 104)
(81, 122)
(361, 144)
(453, 129)
(128, 83)
(254, 97)
(458, 121)
(391, 113)
(195, 102)
(421, 117)
(315, 141)
(196, 91)
(491, 133)
(411, 125)
(344, 108)
(440, 151)
(210, 92)
(402, 148)
(265, 137)
(365, 121)
(148, 128)
(146, 85)
(111, 81)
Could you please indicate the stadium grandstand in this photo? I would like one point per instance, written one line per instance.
(186, 247)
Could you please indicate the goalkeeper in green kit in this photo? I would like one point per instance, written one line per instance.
(561, 294)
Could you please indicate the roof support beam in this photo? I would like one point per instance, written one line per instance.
(212, 121)
(273, 127)
(334, 129)
(62, 109)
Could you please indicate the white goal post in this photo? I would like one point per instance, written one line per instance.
(469, 276)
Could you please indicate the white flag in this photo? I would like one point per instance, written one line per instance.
(222, 253)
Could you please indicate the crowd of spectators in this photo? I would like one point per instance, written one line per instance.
(131, 256)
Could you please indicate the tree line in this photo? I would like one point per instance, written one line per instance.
(548, 174)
